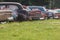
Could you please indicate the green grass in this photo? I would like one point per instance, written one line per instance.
(31, 30)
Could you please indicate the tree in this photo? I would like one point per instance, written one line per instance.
(29, 2)
(1, 0)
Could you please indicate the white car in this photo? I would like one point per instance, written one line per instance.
(12, 11)
(57, 13)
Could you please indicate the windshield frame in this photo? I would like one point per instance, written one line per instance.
(32, 7)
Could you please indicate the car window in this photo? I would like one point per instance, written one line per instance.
(2, 7)
(12, 7)
(8, 7)
(40, 8)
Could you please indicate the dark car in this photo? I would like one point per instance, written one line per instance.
(50, 14)
(12, 11)
(36, 12)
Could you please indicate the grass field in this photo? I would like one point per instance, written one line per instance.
(31, 30)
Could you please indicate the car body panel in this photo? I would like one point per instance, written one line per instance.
(7, 13)
(4, 14)
(57, 14)
(37, 12)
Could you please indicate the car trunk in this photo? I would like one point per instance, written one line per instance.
(5, 14)
(57, 15)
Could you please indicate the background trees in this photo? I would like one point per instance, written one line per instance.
(48, 3)
(29, 2)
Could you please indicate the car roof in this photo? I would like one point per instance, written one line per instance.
(10, 3)
(57, 9)
(13, 3)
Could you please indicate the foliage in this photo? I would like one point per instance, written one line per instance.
(29, 2)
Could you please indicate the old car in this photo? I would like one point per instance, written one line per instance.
(50, 14)
(57, 13)
(36, 12)
(54, 13)
(12, 11)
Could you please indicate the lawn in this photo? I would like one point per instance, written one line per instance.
(31, 30)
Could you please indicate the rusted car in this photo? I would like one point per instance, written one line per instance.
(36, 12)
(5, 15)
(12, 11)
(57, 13)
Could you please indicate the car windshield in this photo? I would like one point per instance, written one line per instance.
(34, 7)
(8, 7)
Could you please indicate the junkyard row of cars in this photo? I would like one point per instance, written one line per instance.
(13, 11)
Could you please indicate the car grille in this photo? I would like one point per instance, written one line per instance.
(4, 15)
(38, 14)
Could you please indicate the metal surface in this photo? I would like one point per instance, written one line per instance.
(4, 14)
